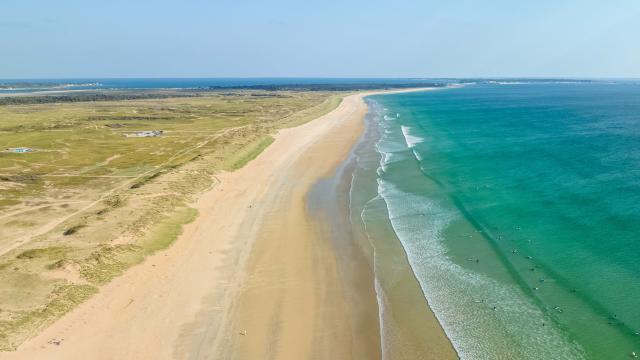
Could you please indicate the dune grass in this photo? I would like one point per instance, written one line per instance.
(21, 325)
(109, 261)
(326, 106)
(248, 153)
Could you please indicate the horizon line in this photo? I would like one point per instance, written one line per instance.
(331, 77)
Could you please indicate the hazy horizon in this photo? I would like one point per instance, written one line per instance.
(569, 78)
(287, 39)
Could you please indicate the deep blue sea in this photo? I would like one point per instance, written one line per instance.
(518, 207)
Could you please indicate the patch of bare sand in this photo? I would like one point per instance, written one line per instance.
(8, 185)
(68, 272)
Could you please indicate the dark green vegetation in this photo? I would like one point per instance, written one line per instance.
(92, 96)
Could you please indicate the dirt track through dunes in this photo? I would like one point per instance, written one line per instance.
(33, 208)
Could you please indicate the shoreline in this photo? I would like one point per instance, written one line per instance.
(410, 329)
(187, 301)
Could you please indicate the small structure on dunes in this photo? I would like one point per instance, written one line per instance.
(20, 150)
(146, 133)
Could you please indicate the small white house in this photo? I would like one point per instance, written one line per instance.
(20, 150)
(147, 133)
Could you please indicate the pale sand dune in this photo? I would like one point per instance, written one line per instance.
(252, 264)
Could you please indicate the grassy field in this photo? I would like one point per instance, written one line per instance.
(89, 202)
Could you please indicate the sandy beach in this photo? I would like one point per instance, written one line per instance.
(254, 277)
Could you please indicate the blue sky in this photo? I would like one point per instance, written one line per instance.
(402, 38)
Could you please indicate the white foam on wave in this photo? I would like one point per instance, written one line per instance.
(392, 151)
(381, 311)
(411, 139)
(391, 157)
(380, 296)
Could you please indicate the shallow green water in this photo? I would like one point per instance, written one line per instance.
(519, 209)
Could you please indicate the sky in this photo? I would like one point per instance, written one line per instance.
(298, 38)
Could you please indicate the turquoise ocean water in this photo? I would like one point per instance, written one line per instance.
(518, 207)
